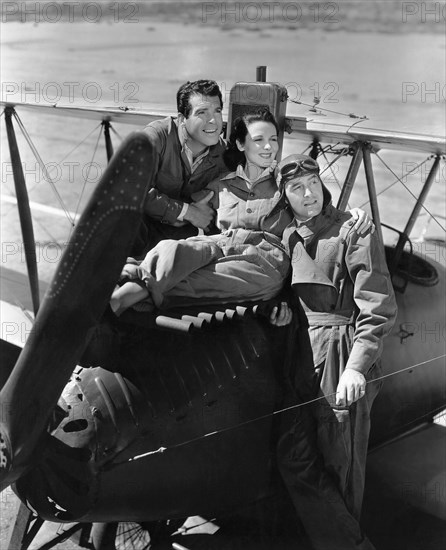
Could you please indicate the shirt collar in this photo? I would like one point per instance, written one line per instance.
(193, 162)
(326, 217)
(240, 172)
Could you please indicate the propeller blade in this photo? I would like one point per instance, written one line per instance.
(74, 303)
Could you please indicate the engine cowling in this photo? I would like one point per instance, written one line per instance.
(172, 434)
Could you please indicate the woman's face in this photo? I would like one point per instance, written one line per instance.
(261, 144)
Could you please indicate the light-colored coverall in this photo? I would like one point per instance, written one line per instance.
(246, 261)
(346, 292)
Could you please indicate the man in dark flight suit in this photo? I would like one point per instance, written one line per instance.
(189, 155)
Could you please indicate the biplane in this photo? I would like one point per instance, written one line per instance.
(177, 421)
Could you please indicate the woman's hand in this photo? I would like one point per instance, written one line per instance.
(363, 222)
(281, 315)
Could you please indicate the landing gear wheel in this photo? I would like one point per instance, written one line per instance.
(120, 536)
(131, 536)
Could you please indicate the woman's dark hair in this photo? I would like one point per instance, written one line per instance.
(233, 156)
(198, 87)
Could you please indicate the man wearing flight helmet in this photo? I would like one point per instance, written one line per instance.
(343, 285)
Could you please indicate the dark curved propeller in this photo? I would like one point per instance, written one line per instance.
(74, 303)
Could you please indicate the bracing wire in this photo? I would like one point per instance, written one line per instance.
(330, 165)
(343, 153)
(43, 167)
(350, 115)
(88, 172)
(25, 312)
(80, 143)
(356, 122)
(112, 128)
(45, 230)
(398, 179)
(270, 415)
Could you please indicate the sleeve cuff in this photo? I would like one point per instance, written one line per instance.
(183, 212)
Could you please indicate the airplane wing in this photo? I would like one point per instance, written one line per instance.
(298, 127)
(334, 131)
(404, 504)
(124, 114)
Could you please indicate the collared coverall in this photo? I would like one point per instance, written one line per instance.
(345, 289)
(174, 185)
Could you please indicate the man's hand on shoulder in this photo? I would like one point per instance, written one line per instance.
(199, 213)
(363, 221)
(351, 387)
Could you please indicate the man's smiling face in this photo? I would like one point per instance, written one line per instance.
(204, 123)
(305, 196)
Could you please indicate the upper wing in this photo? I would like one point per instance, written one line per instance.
(326, 131)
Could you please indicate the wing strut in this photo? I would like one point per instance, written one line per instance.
(108, 142)
(26, 223)
(350, 178)
(362, 154)
(404, 236)
(372, 189)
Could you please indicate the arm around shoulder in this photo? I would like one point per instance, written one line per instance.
(374, 297)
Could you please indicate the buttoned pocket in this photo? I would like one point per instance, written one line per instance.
(228, 211)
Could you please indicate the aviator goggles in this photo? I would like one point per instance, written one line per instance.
(296, 168)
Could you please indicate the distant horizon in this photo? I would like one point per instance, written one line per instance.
(384, 16)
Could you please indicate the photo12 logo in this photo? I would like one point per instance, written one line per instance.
(46, 252)
(414, 172)
(423, 12)
(69, 92)
(299, 92)
(424, 92)
(55, 172)
(271, 12)
(70, 12)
